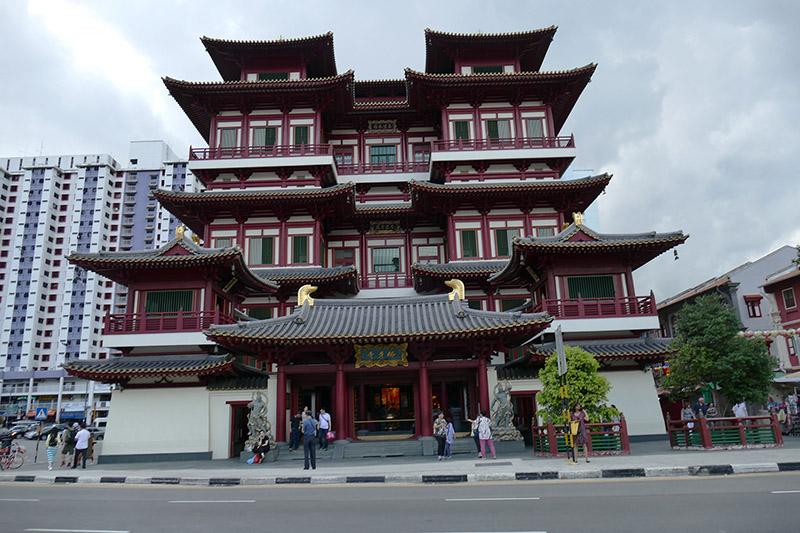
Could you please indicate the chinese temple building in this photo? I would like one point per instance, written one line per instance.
(382, 249)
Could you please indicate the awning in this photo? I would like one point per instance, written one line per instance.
(788, 378)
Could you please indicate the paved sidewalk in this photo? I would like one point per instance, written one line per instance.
(649, 459)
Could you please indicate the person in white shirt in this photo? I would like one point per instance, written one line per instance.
(81, 445)
(324, 426)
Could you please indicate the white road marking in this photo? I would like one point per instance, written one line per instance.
(19, 500)
(785, 491)
(79, 530)
(212, 501)
(488, 500)
(483, 532)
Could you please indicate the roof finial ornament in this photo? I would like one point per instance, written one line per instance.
(458, 288)
(303, 295)
(578, 218)
(179, 231)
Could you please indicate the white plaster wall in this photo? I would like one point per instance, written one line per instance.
(634, 393)
(219, 412)
(147, 421)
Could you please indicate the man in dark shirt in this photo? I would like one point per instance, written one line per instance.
(700, 407)
(297, 422)
(309, 442)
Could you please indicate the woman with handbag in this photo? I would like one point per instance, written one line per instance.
(474, 432)
(580, 435)
(485, 435)
(440, 432)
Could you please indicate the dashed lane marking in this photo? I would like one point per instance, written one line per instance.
(487, 499)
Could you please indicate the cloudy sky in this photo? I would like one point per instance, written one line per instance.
(694, 107)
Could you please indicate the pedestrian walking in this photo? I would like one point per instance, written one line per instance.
(440, 432)
(485, 435)
(451, 437)
(297, 423)
(68, 446)
(324, 427)
(582, 435)
(81, 445)
(52, 448)
(474, 432)
(309, 443)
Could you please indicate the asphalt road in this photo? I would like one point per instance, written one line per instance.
(754, 503)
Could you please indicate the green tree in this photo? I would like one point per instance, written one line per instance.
(710, 352)
(584, 385)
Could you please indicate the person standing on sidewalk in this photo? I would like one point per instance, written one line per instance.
(474, 432)
(68, 449)
(52, 448)
(451, 437)
(309, 444)
(440, 432)
(294, 440)
(582, 437)
(81, 445)
(324, 426)
(485, 435)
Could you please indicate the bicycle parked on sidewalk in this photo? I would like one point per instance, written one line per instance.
(12, 455)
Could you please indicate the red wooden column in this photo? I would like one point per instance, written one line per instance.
(483, 383)
(280, 357)
(340, 354)
(423, 352)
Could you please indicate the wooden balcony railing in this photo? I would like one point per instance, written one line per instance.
(503, 144)
(721, 433)
(599, 307)
(245, 152)
(606, 438)
(382, 168)
(177, 322)
(391, 280)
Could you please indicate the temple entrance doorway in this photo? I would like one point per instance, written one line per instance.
(385, 411)
(315, 398)
(239, 431)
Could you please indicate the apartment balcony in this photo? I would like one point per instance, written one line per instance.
(622, 313)
(527, 148)
(278, 155)
(160, 329)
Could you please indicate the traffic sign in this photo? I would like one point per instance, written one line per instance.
(41, 413)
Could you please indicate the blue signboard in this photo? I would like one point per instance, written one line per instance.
(41, 413)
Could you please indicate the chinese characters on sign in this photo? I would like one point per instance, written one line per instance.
(385, 226)
(381, 355)
(382, 126)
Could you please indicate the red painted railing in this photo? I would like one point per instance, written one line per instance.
(244, 152)
(382, 168)
(386, 281)
(184, 321)
(503, 144)
(599, 307)
(606, 438)
(721, 433)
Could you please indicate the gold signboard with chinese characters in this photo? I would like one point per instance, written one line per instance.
(381, 355)
(384, 226)
(382, 126)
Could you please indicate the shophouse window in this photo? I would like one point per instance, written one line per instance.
(261, 250)
(788, 299)
(300, 249)
(227, 138)
(385, 260)
(300, 135)
(344, 257)
(382, 154)
(168, 301)
(469, 243)
(535, 127)
(753, 307)
(488, 69)
(269, 76)
(591, 287)
(791, 345)
(263, 137)
(498, 129)
(502, 238)
(461, 129)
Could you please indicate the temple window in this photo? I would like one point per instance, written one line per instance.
(300, 135)
(260, 313)
(269, 76)
(227, 137)
(498, 129)
(263, 137)
(461, 129)
(168, 301)
(385, 260)
(543, 231)
(225, 242)
(382, 154)
(475, 304)
(502, 240)
(788, 299)
(488, 69)
(344, 257)
(343, 156)
(422, 153)
(534, 127)
(300, 249)
(591, 287)
(469, 243)
(507, 304)
(261, 250)
(427, 254)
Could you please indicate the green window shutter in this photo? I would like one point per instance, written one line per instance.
(461, 129)
(300, 135)
(474, 304)
(168, 301)
(469, 243)
(260, 313)
(511, 303)
(300, 249)
(263, 137)
(591, 287)
(491, 129)
(261, 251)
(502, 238)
